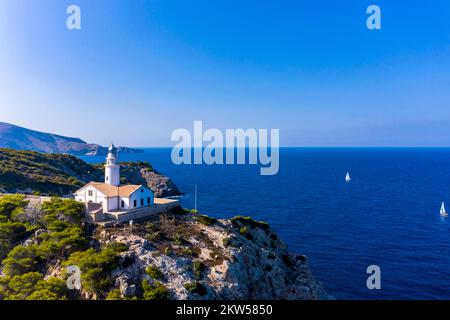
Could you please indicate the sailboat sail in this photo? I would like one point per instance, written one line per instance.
(347, 177)
(443, 213)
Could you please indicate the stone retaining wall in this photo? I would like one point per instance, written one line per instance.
(144, 212)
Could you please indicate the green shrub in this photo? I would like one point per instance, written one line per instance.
(50, 289)
(11, 204)
(195, 287)
(226, 242)
(250, 221)
(67, 210)
(69, 239)
(155, 236)
(188, 251)
(154, 291)
(205, 219)
(32, 286)
(12, 231)
(20, 260)
(243, 230)
(22, 286)
(198, 268)
(96, 266)
(154, 272)
(177, 239)
(114, 295)
(10, 234)
(117, 247)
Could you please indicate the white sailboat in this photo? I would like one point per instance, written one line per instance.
(347, 177)
(443, 212)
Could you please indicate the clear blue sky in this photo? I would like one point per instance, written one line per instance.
(139, 69)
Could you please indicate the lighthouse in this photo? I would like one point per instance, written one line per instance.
(112, 167)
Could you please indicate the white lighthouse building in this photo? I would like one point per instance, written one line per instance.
(112, 167)
(111, 196)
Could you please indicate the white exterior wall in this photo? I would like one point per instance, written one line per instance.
(96, 197)
(138, 195)
(112, 174)
(113, 203)
(126, 203)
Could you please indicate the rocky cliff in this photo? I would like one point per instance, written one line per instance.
(176, 255)
(198, 257)
(143, 173)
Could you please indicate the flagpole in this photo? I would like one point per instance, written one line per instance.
(195, 201)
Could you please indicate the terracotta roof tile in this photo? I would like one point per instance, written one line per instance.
(112, 191)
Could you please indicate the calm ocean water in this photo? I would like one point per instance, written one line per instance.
(387, 215)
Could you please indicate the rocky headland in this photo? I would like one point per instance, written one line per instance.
(31, 172)
(199, 257)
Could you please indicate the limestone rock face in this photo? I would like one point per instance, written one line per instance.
(143, 173)
(225, 259)
(161, 185)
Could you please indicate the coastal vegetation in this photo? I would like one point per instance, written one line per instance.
(154, 272)
(40, 173)
(206, 220)
(61, 174)
(96, 266)
(174, 255)
(58, 232)
(154, 291)
(249, 221)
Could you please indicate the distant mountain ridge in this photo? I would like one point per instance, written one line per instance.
(19, 138)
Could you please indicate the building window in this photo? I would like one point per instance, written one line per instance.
(148, 200)
(122, 204)
(107, 178)
(135, 203)
(90, 193)
(142, 190)
(142, 202)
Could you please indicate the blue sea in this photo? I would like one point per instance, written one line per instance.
(388, 215)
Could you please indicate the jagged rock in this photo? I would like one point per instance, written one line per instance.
(143, 173)
(126, 290)
(28, 242)
(235, 265)
(162, 186)
(38, 232)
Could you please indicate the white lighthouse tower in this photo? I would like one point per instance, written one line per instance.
(112, 167)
